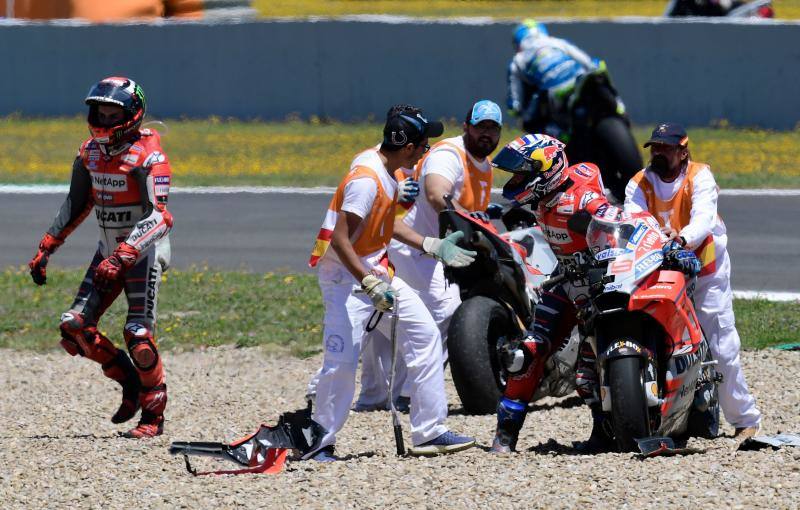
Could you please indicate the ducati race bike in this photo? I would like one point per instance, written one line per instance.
(499, 292)
(656, 372)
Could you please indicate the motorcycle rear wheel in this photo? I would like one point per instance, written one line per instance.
(619, 156)
(472, 353)
(629, 413)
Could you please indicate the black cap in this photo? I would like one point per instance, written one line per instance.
(668, 133)
(404, 128)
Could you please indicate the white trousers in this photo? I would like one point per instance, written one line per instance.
(714, 306)
(425, 275)
(418, 342)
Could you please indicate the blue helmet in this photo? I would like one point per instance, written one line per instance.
(529, 26)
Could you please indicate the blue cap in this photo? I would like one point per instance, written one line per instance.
(486, 110)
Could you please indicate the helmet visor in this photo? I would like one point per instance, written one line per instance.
(109, 93)
(514, 162)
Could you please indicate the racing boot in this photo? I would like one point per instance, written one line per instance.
(510, 417)
(151, 423)
(121, 370)
(601, 439)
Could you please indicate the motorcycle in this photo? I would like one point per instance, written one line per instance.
(499, 292)
(592, 121)
(734, 9)
(656, 372)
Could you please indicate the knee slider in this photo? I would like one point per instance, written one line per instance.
(516, 357)
(140, 346)
(71, 327)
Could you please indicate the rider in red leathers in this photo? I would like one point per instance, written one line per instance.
(564, 199)
(121, 172)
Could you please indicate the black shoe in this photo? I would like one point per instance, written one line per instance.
(600, 441)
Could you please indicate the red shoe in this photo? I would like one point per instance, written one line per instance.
(146, 430)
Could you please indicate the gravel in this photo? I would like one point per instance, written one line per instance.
(59, 450)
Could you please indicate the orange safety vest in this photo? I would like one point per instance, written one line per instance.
(678, 211)
(477, 188)
(379, 227)
(104, 10)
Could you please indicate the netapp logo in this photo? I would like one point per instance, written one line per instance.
(110, 182)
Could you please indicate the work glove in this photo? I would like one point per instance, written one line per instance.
(113, 267)
(407, 190)
(447, 251)
(38, 264)
(678, 259)
(381, 293)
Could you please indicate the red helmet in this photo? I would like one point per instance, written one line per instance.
(122, 92)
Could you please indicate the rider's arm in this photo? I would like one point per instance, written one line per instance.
(156, 222)
(578, 54)
(514, 87)
(704, 209)
(76, 206)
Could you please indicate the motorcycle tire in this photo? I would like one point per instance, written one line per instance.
(629, 414)
(472, 353)
(705, 422)
(620, 158)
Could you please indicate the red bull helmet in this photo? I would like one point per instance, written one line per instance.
(539, 165)
(122, 92)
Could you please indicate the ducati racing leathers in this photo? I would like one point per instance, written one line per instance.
(563, 217)
(128, 192)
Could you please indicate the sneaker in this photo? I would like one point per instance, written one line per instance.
(403, 404)
(742, 433)
(324, 455)
(449, 442)
(360, 407)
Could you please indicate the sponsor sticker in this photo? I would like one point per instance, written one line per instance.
(161, 179)
(109, 182)
(556, 235)
(611, 253)
(588, 197)
(334, 343)
(583, 170)
(637, 234)
(648, 262)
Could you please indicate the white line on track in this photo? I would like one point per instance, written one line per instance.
(767, 295)
(43, 189)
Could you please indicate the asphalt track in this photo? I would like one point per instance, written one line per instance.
(275, 231)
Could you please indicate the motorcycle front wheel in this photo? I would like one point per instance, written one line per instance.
(629, 413)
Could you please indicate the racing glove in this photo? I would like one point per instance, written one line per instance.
(381, 293)
(38, 264)
(679, 259)
(115, 266)
(493, 212)
(446, 250)
(407, 190)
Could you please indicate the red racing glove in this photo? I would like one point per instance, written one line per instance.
(115, 266)
(38, 264)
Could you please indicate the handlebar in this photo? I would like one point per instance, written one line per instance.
(552, 282)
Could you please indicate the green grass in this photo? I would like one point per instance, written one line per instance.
(199, 307)
(196, 308)
(230, 152)
(502, 9)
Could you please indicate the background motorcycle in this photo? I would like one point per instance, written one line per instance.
(593, 123)
(499, 292)
(734, 9)
(656, 370)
